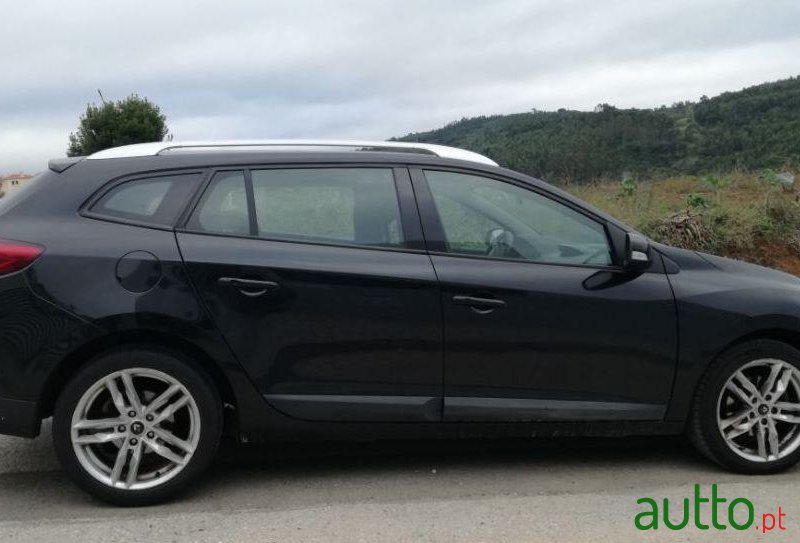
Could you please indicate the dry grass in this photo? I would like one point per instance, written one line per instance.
(747, 216)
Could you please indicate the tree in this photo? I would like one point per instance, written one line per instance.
(110, 124)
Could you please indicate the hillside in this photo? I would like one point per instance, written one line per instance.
(751, 129)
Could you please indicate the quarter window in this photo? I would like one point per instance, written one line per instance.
(487, 217)
(223, 208)
(153, 200)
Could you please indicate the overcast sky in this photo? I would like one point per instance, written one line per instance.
(369, 69)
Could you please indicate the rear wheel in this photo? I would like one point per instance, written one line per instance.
(746, 415)
(135, 426)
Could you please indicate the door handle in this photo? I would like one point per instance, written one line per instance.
(249, 287)
(479, 305)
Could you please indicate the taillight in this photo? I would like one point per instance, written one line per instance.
(15, 256)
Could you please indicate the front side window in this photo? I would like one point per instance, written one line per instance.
(350, 206)
(152, 200)
(487, 217)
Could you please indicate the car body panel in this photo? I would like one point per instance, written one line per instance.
(71, 301)
(343, 322)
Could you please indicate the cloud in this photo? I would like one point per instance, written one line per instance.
(369, 68)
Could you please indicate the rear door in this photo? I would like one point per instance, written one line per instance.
(318, 280)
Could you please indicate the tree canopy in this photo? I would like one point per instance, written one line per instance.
(758, 127)
(110, 124)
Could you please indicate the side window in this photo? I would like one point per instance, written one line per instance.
(153, 200)
(223, 208)
(354, 206)
(482, 216)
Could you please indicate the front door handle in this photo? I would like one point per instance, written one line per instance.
(479, 305)
(249, 287)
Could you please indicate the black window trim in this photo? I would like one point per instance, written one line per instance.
(410, 222)
(434, 231)
(85, 210)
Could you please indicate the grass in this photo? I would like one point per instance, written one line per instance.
(748, 216)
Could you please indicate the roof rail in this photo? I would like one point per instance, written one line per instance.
(156, 148)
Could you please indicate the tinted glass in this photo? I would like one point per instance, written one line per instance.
(154, 200)
(482, 216)
(223, 208)
(354, 206)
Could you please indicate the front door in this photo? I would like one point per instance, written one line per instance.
(540, 323)
(312, 276)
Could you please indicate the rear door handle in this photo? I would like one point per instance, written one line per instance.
(480, 305)
(249, 287)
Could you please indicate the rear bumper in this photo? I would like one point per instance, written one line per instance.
(19, 418)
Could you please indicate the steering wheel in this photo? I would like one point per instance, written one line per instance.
(499, 241)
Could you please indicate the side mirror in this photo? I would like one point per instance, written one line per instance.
(637, 253)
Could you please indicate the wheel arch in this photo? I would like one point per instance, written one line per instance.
(139, 338)
(684, 396)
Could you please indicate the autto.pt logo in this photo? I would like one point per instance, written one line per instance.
(707, 511)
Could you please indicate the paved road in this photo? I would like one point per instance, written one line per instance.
(452, 491)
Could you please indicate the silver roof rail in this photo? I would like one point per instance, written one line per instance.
(156, 148)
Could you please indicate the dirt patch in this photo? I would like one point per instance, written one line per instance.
(780, 256)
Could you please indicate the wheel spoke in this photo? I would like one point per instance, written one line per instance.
(772, 434)
(171, 439)
(748, 385)
(738, 391)
(133, 468)
(774, 371)
(116, 395)
(162, 399)
(98, 424)
(119, 464)
(164, 451)
(724, 423)
(783, 385)
(762, 441)
(171, 409)
(783, 417)
(740, 429)
(93, 439)
(130, 390)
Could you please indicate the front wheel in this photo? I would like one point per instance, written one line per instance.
(135, 426)
(746, 415)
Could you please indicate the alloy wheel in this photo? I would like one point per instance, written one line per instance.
(135, 429)
(758, 410)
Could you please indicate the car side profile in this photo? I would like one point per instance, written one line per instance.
(156, 297)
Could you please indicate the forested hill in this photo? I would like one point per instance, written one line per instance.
(754, 128)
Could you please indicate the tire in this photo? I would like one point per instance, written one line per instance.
(168, 443)
(718, 404)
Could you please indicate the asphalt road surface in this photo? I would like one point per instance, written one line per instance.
(579, 490)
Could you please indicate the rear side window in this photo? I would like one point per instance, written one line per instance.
(152, 200)
(223, 208)
(338, 205)
(350, 206)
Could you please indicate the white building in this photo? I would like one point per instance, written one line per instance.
(10, 183)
